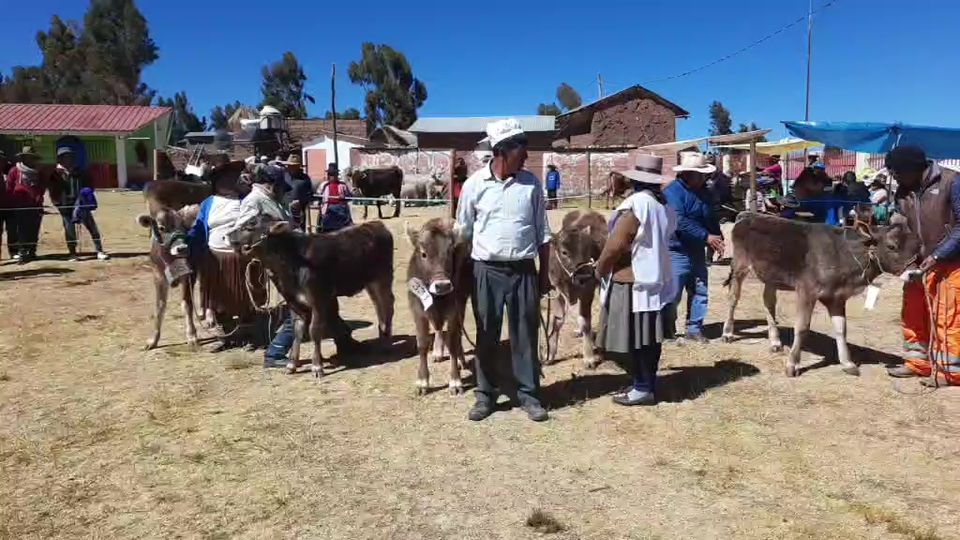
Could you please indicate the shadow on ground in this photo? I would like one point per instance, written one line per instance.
(33, 272)
(678, 384)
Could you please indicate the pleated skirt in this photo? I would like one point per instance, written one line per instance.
(622, 330)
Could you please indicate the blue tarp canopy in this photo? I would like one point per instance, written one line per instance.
(879, 138)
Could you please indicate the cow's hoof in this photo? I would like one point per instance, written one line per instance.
(852, 370)
(193, 345)
(317, 372)
(727, 338)
(792, 371)
(436, 358)
(455, 387)
(150, 346)
(291, 368)
(776, 347)
(422, 387)
(592, 363)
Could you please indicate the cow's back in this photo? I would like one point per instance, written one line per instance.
(174, 194)
(354, 257)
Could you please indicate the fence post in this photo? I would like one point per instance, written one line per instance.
(156, 163)
(589, 184)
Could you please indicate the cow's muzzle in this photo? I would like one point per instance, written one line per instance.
(440, 287)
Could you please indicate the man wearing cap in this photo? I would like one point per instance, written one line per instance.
(65, 189)
(697, 228)
(300, 191)
(929, 197)
(553, 185)
(503, 211)
(334, 206)
(25, 190)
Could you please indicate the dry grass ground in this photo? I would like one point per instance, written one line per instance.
(101, 440)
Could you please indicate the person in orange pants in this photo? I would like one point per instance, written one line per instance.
(929, 197)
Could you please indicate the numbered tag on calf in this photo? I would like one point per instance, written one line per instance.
(420, 290)
(176, 269)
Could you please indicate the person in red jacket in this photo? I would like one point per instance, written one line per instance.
(25, 191)
(6, 217)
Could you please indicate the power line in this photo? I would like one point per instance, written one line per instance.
(747, 47)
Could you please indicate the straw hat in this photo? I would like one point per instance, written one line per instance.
(694, 161)
(648, 169)
(292, 159)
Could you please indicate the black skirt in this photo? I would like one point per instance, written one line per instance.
(622, 330)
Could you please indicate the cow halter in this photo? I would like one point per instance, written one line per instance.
(589, 264)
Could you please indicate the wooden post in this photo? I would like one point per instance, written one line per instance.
(589, 183)
(333, 112)
(156, 163)
(451, 203)
(752, 192)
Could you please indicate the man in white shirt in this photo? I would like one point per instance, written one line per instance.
(503, 211)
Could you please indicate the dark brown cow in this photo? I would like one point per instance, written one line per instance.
(441, 272)
(311, 271)
(574, 250)
(168, 260)
(819, 262)
(376, 183)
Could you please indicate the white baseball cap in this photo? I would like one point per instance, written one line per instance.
(502, 130)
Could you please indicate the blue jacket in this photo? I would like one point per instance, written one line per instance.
(695, 218)
(553, 181)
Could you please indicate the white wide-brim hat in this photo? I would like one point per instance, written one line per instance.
(647, 169)
(694, 161)
(502, 130)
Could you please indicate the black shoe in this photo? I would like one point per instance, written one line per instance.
(623, 398)
(535, 411)
(480, 411)
(697, 338)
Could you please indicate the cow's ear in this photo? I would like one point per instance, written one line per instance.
(865, 231)
(413, 233)
(146, 221)
(281, 227)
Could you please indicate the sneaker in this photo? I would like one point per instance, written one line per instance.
(901, 372)
(480, 411)
(103, 256)
(535, 411)
(631, 398)
(270, 362)
(72, 257)
(15, 256)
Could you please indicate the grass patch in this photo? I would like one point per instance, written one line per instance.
(238, 361)
(894, 523)
(544, 522)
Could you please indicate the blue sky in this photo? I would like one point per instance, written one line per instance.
(879, 60)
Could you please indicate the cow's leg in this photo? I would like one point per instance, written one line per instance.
(437, 353)
(770, 308)
(366, 208)
(558, 308)
(188, 313)
(160, 307)
(396, 211)
(423, 344)
(455, 346)
(584, 321)
(733, 297)
(316, 334)
(209, 318)
(379, 209)
(805, 303)
(381, 294)
(299, 334)
(838, 316)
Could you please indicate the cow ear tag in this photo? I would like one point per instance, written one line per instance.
(420, 290)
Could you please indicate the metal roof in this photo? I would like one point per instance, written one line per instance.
(22, 118)
(478, 124)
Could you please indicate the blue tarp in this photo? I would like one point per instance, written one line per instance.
(879, 138)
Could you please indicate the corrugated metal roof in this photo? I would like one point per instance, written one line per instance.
(478, 124)
(22, 118)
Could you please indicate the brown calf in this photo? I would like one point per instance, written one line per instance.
(440, 279)
(821, 263)
(574, 250)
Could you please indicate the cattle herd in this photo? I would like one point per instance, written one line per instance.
(310, 271)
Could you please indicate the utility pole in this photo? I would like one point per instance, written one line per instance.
(806, 114)
(333, 111)
(599, 86)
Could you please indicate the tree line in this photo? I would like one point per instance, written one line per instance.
(100, 61)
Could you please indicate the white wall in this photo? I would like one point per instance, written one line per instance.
(326, 143)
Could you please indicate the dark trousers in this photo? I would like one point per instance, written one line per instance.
(552, 194)
(8, 222)
(509, 287)
(28, 223)
(70, 230)
(645, 360)
(337, 328)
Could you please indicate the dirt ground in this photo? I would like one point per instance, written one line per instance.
(101, 440)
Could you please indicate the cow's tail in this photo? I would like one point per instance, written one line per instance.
(726, 282)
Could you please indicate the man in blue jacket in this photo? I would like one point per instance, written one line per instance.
(697, 229)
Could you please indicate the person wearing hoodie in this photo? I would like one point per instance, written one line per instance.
(66, 186)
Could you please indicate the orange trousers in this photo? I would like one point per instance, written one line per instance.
(942, 284)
